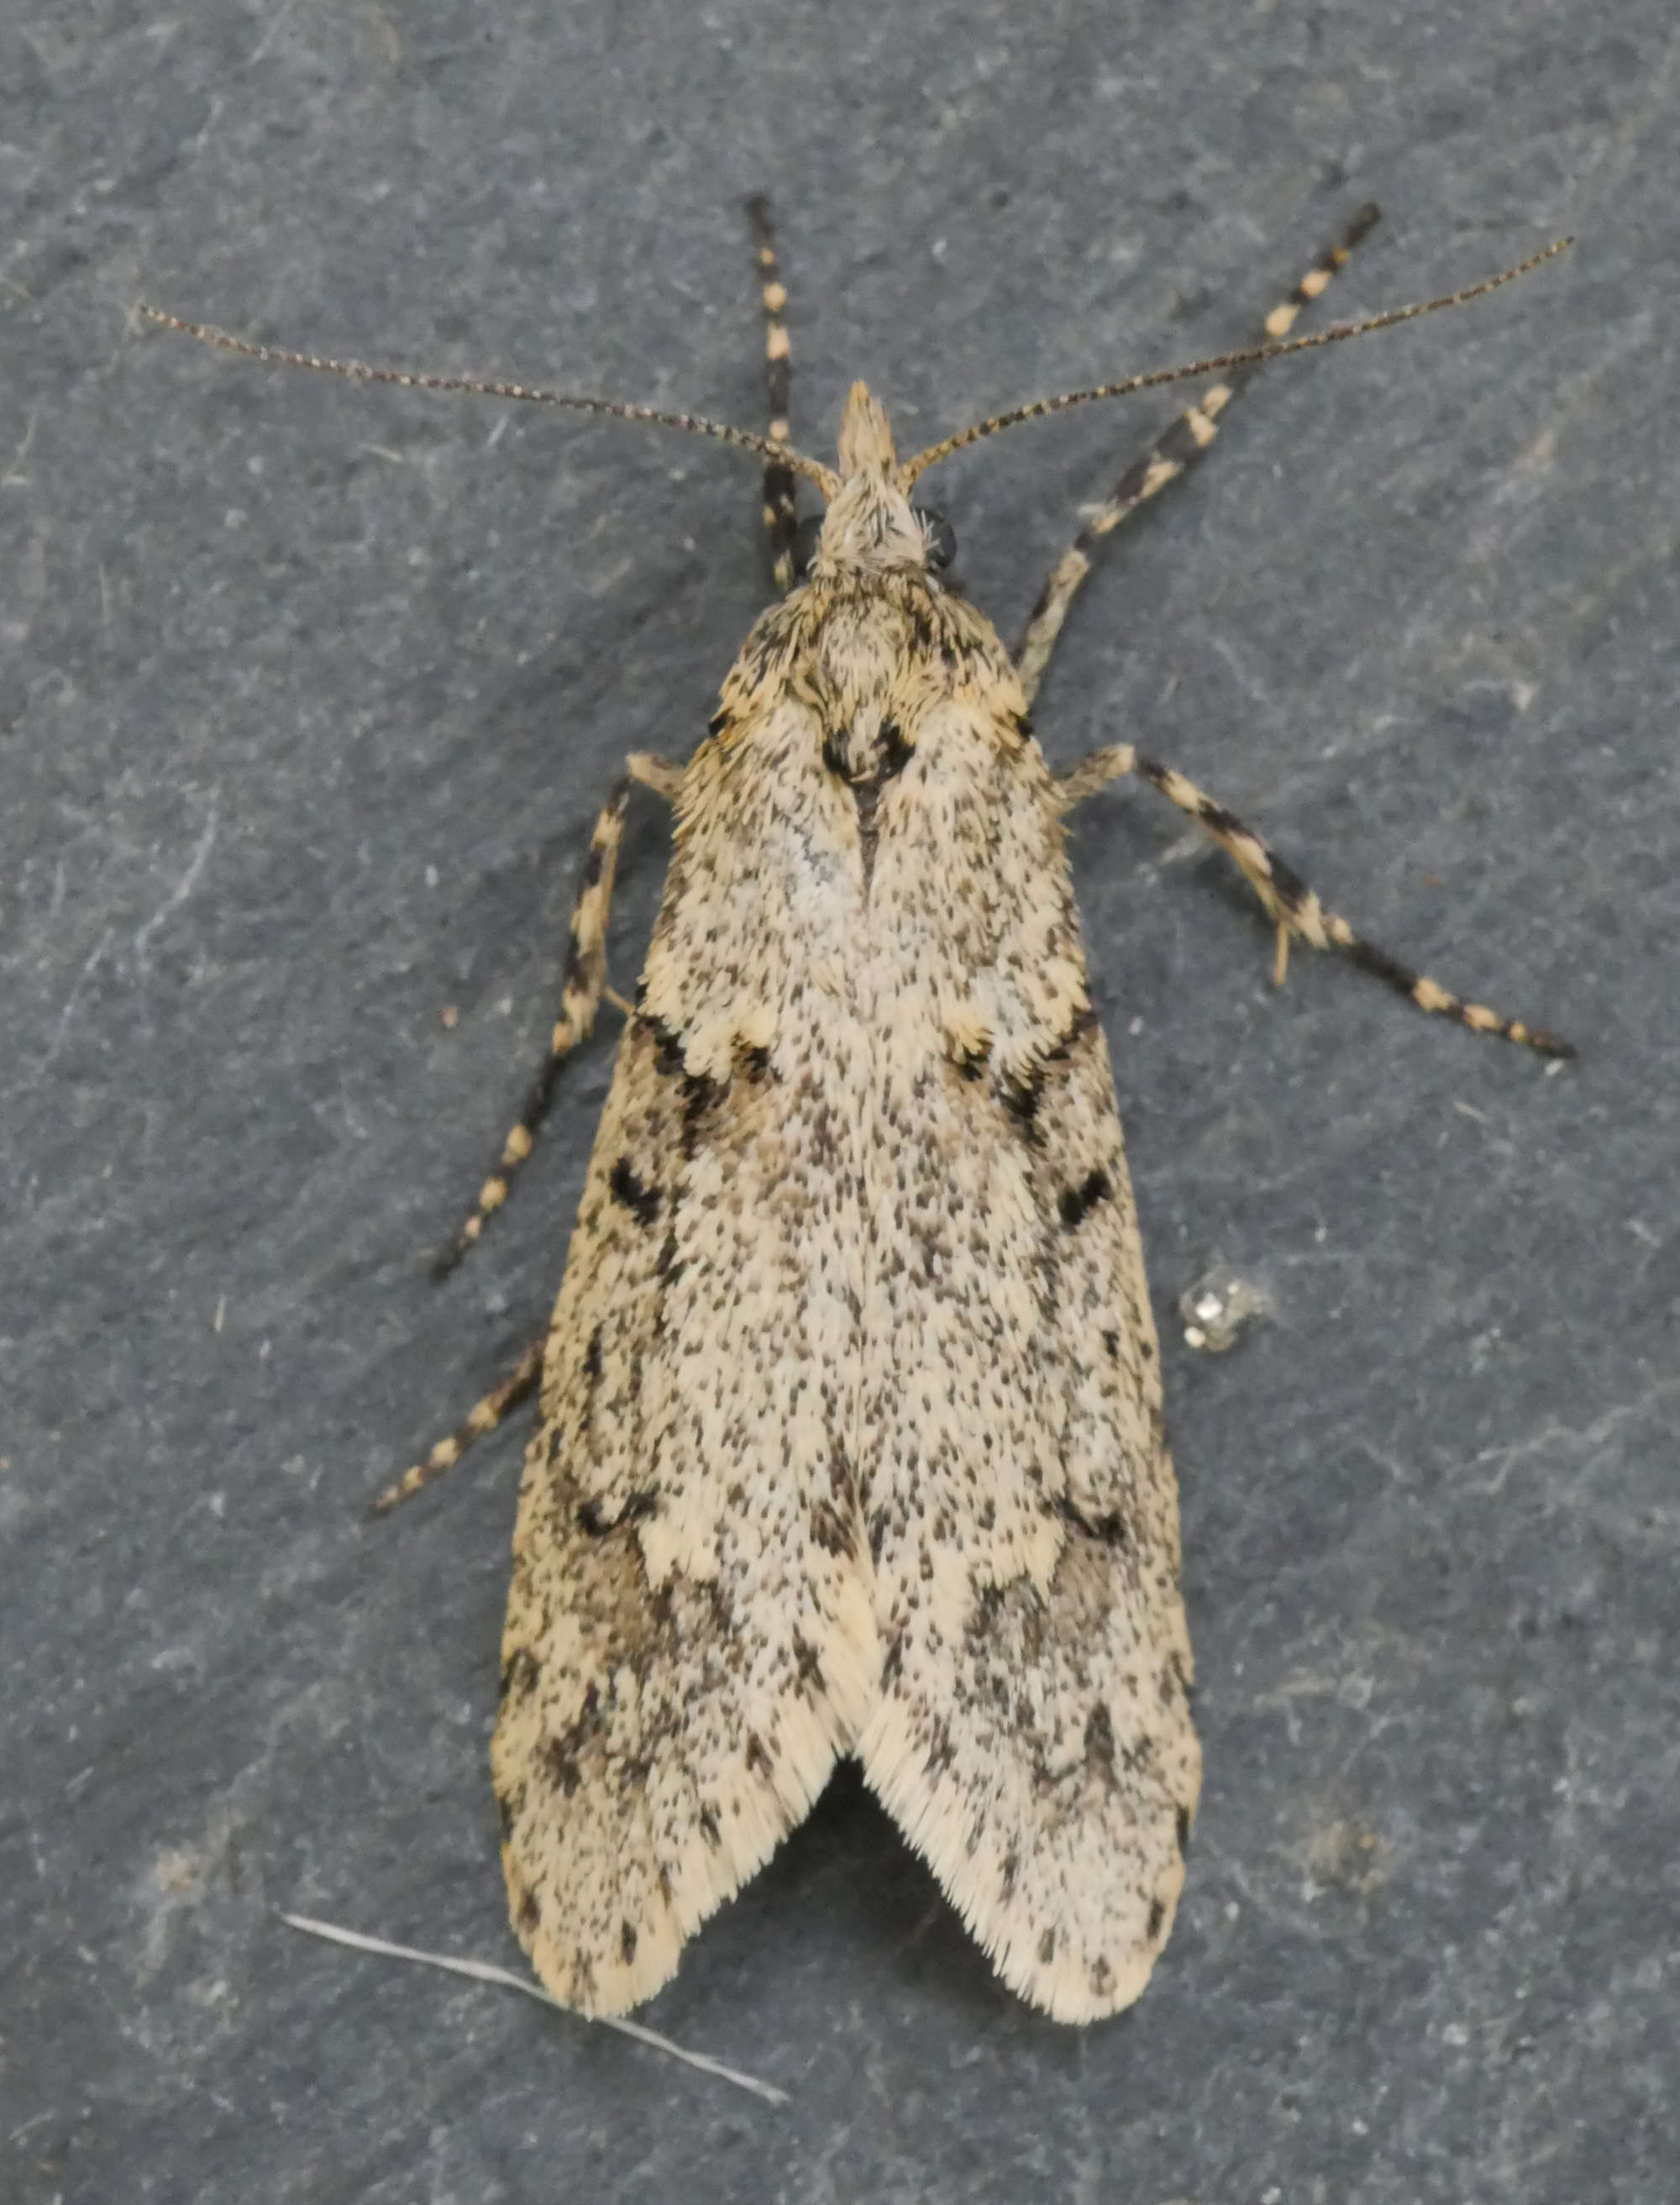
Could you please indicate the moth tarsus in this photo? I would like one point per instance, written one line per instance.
(482, 1418)
(850, 1433)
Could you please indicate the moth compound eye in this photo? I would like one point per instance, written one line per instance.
(804, 543)
(940, 535)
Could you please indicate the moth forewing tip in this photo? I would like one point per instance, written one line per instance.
(604, 1908)
(1079, 1948)
(630, 1965)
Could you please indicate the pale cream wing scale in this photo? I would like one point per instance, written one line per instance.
(1033, 1736)
(689, 1640)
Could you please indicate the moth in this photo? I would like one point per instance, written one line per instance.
(850, 1435)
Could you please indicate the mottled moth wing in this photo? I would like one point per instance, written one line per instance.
(689, 1640)
(850, 1432)
(1033, 1734)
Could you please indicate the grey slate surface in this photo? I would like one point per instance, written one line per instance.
(309, 696)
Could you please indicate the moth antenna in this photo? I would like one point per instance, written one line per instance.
(912, 468)
(405, 378)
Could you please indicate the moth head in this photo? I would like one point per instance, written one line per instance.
(870, 526)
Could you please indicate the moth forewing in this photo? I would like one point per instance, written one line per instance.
(690, 1639)
(1032, 1735)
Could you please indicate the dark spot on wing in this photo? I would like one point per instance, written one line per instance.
(563, 1754)
(641, 1202)
(808, 1663)
(1021, 1098)
(1100, 1741)
(668, 1047)
(830, 1529)
(941, 1749)
(593, 1518)
(1077, 1201)
(1108, 1529)
(895, 751)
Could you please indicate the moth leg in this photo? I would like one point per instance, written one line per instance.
(484, 1416)
(1091, 773)
(662, 776)
(782, 518)
(1188, 440)
(1292, 905)
(580, 994)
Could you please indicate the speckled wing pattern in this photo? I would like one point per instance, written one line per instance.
(850, 1436)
